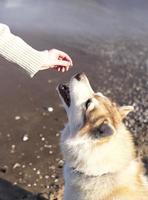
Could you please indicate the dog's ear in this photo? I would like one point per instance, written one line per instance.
(125, 110)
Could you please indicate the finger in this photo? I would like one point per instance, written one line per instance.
(63, 69)
(62, 63)
(70, 61)
(65, 56)
(60, 68)
(67, 68)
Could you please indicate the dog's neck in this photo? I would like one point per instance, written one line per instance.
(84, 174)
(80, 173)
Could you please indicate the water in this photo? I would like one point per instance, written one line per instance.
(95, 18)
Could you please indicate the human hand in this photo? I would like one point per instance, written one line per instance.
(58, 60)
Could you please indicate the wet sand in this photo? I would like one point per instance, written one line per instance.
(31, 112)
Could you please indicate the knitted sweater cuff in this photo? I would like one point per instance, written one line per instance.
(16, 50)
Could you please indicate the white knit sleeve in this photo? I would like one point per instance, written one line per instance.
(16, 50)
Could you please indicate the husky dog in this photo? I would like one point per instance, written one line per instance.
(99, 153)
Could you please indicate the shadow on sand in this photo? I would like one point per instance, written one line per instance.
(8, 191)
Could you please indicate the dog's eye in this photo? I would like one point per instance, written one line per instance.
(87, 104)
(102, 131)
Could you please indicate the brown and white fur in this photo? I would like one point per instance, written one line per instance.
(99, 154)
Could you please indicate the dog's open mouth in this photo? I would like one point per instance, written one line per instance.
(65, 93)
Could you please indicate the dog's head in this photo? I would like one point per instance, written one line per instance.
(93, 124)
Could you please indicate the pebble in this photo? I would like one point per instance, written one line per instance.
(48, 146)
(46, 177)
(23, 166)
(60, 163)
(16, 165)
(13, 146)
(57, 134)
(53, 176)
(38, 157)
(17, 117)
(52, 167)
(29, 185)
(56, 180)
(38, 172)
(35, 184)
(30, 164)
(41, 148)
(25, 138)
(50, 109)
(44, 127)
(43, 139)
(49, 81)
(8, 135)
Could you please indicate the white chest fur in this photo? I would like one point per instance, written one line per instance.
(81, 187)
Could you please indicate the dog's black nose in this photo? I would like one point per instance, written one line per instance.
(79, 76)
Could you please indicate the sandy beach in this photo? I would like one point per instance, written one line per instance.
(110, 47)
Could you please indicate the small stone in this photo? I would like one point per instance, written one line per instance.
(50, 152)
(29, 185)
(43, 139)
(17, 117)
(38, 172)
(38, 157)
(49, 81)
(48, 146)
(13, 146)
(34, 184)
(16, 165)
(50, 109)
(41, 148)
(53, 176)
(60, 163)
(20, 173)
(44, 113)
(56, 180)
(52, 167)
(8, 135)
(40, 177)
(44, 127)
(47, 186)
(25, 138)
(57, 134)
(30, 164)
(46, 177)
